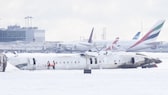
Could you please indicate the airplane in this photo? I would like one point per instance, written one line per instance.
(89, 45)
(87, 60)
(96, 45)
(147, 41)
(113, 46)
(79, 46)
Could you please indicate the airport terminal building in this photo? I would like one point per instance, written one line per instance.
(17, 33)
(25, 39)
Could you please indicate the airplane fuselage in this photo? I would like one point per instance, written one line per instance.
(90, 60)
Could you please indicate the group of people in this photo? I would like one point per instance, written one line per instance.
(51, 64)
(48, 64)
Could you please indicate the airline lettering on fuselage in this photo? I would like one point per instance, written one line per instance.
(159, 47)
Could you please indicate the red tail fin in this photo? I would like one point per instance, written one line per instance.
(114, 43)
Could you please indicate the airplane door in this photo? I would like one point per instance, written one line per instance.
(133, 60)
(30, 64)
(92, 63)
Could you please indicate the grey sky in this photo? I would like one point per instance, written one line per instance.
(70, 19)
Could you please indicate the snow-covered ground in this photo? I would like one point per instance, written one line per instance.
(153, 81)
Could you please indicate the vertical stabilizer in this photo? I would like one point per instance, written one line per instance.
(152, 35)
(136, 37)
(91, 36)
(113, 46)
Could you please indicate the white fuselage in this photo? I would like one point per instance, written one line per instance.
(105, 60)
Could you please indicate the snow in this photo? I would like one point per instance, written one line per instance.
(151, 81)
(11, 68)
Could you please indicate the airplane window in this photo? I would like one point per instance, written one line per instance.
(99, 61)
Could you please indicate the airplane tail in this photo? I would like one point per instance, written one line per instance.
(136, 37)
(150, 36)
(90, 41)
(91, 35)
(113, 46)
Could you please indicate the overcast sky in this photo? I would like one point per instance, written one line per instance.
(73, 19)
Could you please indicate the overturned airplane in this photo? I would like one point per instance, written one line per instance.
(87, 60)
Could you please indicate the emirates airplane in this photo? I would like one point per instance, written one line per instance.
(87, 60)
(147, 41)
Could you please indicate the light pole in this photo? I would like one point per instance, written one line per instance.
(28, 21)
